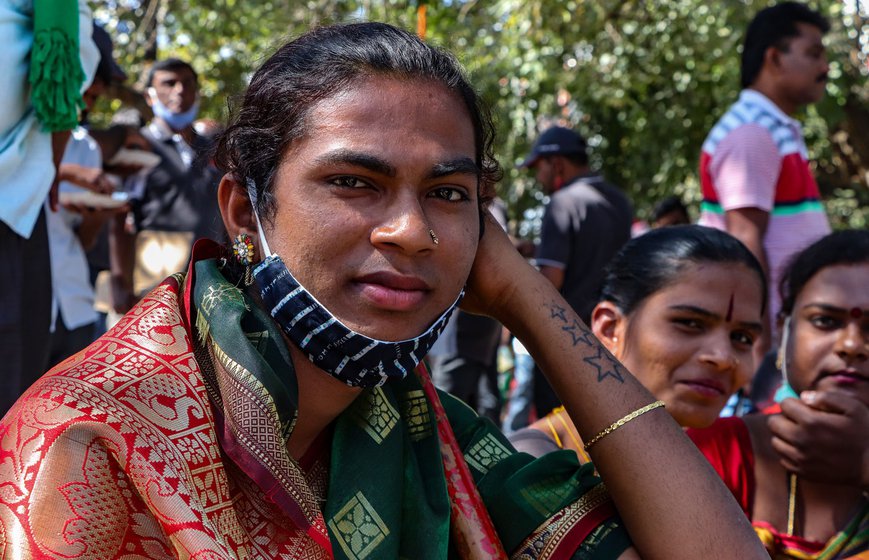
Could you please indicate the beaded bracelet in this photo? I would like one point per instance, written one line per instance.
(622, 421)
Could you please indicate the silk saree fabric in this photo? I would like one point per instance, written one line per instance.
(166, 438)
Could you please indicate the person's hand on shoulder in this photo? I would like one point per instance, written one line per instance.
(824, 436)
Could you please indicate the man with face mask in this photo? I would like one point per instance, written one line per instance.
(175, 203)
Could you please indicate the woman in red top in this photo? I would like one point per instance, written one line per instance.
(785, 467)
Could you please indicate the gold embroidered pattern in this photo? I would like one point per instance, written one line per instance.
(257, 428)
(542, 498)
(375, 414)
(416, 415)
(119, 445)
(544, 541)
(358, 527)
(217, 294)
(485, 453)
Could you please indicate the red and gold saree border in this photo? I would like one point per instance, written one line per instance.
(562, 534)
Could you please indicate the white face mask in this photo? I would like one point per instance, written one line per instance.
(349, 356)
(785, 391)
(177, 121)
(783, 349)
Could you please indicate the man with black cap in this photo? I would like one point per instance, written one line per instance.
(585, 223)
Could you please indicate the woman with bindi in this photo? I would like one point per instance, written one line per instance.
(800, 470)
(681, 308)
(270, 403)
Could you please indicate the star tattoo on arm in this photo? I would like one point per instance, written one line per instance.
(606, 366)
(558, 311)
(580, 334)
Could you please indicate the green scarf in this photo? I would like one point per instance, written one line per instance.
(56, 75)
(386, 484)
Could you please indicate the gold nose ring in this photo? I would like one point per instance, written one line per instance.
(434, 237)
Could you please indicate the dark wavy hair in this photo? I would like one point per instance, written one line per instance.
(654, 260)
(319, 65)
(847, 247)
(774, 27)
(169, 65)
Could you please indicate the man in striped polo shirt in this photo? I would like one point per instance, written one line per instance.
(754, 170)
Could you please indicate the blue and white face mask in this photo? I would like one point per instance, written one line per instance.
(177, 121)
(349, 356)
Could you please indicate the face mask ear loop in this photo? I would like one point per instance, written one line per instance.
(783, 349)
(251, 192)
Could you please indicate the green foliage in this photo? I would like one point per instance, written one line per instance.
(224, 40)
(644, 81)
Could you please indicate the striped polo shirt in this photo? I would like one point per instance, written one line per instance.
(755, 157)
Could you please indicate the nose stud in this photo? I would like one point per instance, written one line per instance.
(434, 237)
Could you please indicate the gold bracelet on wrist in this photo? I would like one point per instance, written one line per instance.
(622, 421)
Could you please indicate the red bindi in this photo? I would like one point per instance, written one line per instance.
(856, 313)
(729, 309)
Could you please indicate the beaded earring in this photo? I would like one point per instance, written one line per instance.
(242, 252)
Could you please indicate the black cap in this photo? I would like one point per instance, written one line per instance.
(555, 141)
(108, 69)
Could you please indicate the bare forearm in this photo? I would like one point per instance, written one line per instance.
(121, 251)
(749, 225)
(672, 502)
(554, 275)
(122, 258)
(58, 147)
(90, 228)
(667, 494)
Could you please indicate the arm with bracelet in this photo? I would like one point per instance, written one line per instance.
(666, 493)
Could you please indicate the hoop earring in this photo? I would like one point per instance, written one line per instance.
(243, 252)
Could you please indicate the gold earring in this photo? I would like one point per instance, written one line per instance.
(434, 237)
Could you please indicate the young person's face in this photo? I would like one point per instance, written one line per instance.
(803, 66)
(544, 173)
(176, 89)
(380, 168)
(690, 343)
(828, 346)
(548, 171)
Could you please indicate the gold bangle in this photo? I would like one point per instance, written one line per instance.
(622, 421)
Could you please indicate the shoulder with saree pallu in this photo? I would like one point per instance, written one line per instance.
(166, 438)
